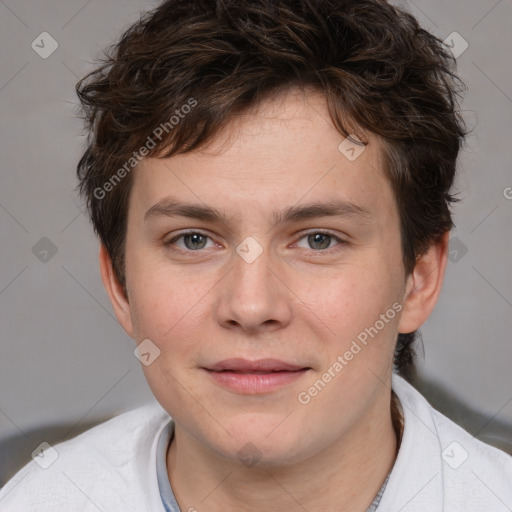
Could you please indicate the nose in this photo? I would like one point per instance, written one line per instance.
(252, 298)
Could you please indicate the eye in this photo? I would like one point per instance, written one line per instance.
(192, 241)
(320, 241)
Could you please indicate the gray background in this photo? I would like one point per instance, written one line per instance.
(65, 363)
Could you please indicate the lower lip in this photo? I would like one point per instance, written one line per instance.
(255, 383)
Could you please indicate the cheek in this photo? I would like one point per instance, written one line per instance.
(362, 312)
(362, 308)
(352, 298)
(173, 310)
(162, 298)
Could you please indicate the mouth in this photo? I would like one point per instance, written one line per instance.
(255, 377)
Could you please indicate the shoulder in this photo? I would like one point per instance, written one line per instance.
(473, 470)
(108, 465)
(470, 475)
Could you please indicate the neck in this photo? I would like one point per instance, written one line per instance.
(349, 473)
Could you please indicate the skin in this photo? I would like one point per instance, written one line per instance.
(298, 302)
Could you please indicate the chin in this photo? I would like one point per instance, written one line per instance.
(257, 441)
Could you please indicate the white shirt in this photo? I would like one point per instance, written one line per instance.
(112, 467)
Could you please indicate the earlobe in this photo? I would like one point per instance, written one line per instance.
(115, 291)
(424, 285)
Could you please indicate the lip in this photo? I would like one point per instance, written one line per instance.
(255, 377)
(240, 365)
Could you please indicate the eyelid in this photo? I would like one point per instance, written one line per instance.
(188, 232)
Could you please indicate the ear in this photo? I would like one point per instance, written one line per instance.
(423, 286)
(115, 292)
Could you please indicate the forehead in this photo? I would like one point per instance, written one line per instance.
(284, 153)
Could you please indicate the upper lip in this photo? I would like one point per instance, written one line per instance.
(260, 365)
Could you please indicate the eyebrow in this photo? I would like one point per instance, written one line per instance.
(337, 208)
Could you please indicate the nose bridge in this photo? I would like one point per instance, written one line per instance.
(252, 298)
(251, 267)
(251, 275)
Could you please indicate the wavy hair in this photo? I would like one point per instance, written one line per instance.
(377, 68)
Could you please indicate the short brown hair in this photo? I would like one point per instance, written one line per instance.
(377, 68)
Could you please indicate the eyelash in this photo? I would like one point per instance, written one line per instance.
(172, 241)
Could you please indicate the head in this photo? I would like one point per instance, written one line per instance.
(238, 122)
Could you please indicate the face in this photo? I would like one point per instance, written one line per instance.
(267, 270)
